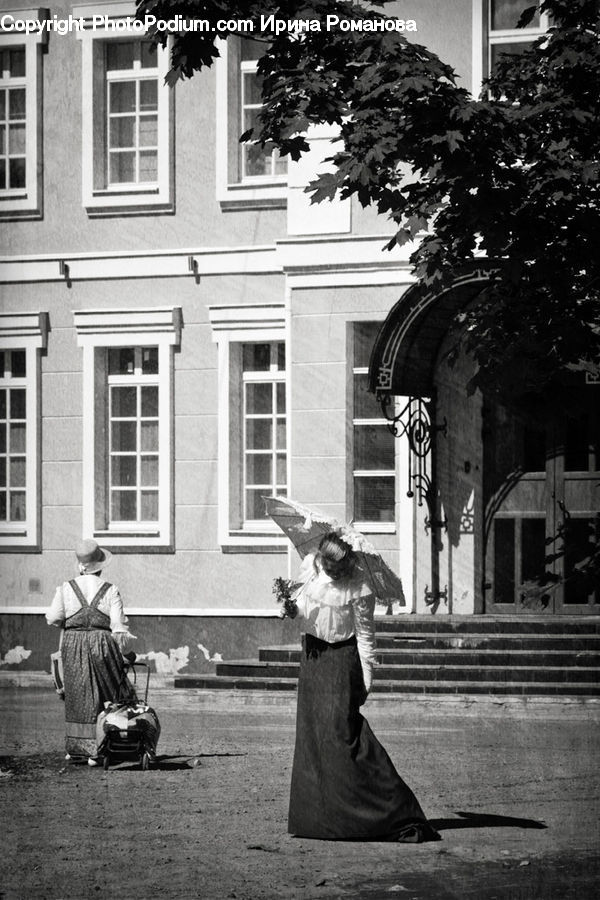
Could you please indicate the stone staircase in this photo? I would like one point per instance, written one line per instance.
(450, 655)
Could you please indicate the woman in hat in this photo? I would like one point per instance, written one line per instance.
(344, 785)
(95, 643)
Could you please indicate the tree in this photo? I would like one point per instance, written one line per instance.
(512, 175)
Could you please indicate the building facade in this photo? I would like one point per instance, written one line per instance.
(181, 334)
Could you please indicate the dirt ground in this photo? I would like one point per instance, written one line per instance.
(515, 795)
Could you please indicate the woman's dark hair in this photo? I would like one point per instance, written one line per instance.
(335, 555)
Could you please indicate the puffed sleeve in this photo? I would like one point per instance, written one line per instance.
(306, 574)
(56, 612)
(119, 623)
(363, 607)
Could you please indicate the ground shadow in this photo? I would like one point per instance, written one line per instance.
(483, 820)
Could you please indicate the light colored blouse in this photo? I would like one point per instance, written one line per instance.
(65, 604)
(336, 610)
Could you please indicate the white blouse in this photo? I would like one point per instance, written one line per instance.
(336, 610)
(65, 604)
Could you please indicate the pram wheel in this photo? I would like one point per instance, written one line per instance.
(145, 761)
(106, 762)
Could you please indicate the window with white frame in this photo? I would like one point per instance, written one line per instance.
(373, 445)
(264, 427)
(248, 175)
(252, 422)
(22, 336)
(503, 34)
(20, 123)
(127, 452)
(127, 121)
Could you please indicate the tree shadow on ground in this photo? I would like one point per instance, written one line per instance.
(483, 820)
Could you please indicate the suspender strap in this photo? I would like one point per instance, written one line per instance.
(78, 593)
(101, 592)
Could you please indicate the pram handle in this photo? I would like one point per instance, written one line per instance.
(139, 665)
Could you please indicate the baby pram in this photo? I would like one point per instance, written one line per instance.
(128, 728)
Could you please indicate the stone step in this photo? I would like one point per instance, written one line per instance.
(223, 682)
(490, 624)
(476, 640)
(254, 669)
(455, 656)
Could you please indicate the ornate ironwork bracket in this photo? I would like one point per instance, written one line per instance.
(435, 523)
(414, 422)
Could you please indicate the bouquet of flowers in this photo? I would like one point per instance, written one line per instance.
(283, 589)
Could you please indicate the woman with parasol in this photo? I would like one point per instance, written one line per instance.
(344, 785)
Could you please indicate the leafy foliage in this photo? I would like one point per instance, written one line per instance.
(512, 175)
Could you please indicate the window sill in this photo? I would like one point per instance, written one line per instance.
(375, 527)
(254, 542)
(254, 195)
(133, 541)
(123, 204)
(18, 207)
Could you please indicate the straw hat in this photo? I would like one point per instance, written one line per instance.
(91, 557)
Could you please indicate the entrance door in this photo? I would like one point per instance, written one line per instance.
(542, 490)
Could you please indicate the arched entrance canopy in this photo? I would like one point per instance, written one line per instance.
(404, 355)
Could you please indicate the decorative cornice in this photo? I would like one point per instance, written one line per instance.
(19, 325)
(90, 323)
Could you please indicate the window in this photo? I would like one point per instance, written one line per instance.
(373, 445)
(504, 36)
(127, 122)
(256, 161)
(248, 176)
(22, 335)
(127, 450)
(264, 426)
(20, 123)
(253, 422)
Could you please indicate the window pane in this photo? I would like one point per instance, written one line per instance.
(18, 363)
(123, 471)
(3, 173)
(17, 471)
(259, 468)
(374, 447)
(149, 436)
(281, 356)
(257, 160)
(280, 431)
(252, 88)
(3, 506)
(514, 48)
(150, 401)
(3, 144)
(16, 138)
(149, 506)
(3, 437)
(2, 104)
(365, 334)
(16, 173)
(365, 404)
(280, 388)
(280, 163)
(120, 55)
(374, 499)
(533, 549)
(124, 402)
(149, 360)
(148, 131)
(16, 104)
(504, 561)
(259, 434)
(17, 438)
(256, 357)
(122, 96)
(123, 436)
(122, 168)
(123, 506)
(3, 464)
(281, 469)
(148, 165)
(122, 131)
(580, 543)
(2, 403)
(148, 56)
(149, 471)
(121, 361)
(149, 95)
(17, 506)
(506, 13)
(16, 62)
(259, 398)
(255, 505)
(17, 404)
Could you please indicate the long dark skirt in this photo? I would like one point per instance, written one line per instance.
(93, 674)
(344, 785)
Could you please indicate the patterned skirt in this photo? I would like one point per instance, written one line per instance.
(93, 674)
(344, 785)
